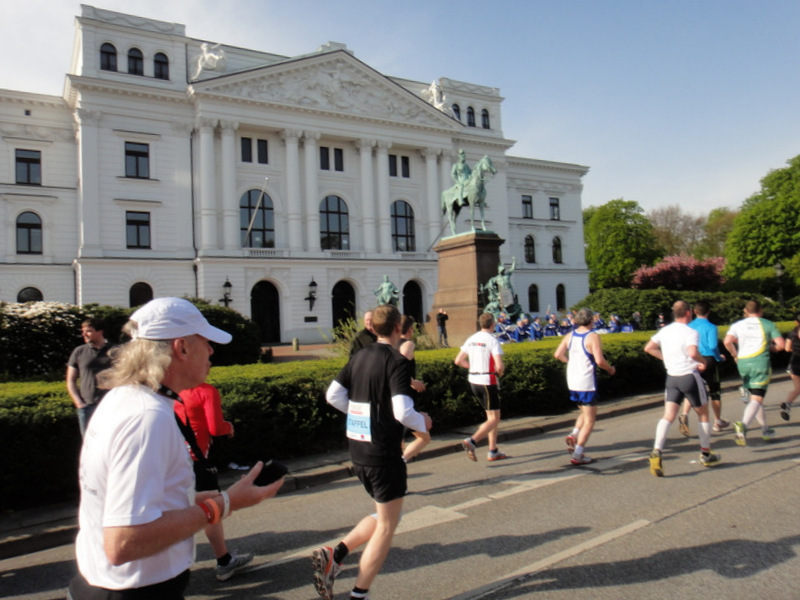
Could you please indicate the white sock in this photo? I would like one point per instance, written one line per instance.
(575, 433)
(578, 451)
(750, 412)
(661, 434)
(704, 433)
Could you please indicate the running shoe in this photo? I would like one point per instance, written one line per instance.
(710, 460)
(683, 424)
(571, 442)
(237, 563)
(470, 448)
(786, 410)
(325, 571)
(767, 434)
(741, 432)
(493, 456)
(655, 463)
(721, 425)
(581, 460)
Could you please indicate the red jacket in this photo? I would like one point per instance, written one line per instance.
(204, 408)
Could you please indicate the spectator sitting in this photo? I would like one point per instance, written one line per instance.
(537, 331)
(565, 327)
(522, 331)
(614, 326)
(551, 328)
(598, 322)
(501, 328)
(661, 321)
(636, 321)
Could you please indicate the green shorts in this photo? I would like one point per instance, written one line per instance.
(755, 372)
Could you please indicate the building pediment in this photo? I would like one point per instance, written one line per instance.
(334, 82)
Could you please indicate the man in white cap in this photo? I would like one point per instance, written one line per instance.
(139, 511)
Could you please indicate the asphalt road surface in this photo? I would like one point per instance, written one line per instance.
(533, 526)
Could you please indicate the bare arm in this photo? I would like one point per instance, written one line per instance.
(561, 351)
(596, 346)
(499, 367)
(730, 345)
(132, 542)
(72, 387)
(653, 349)
(778, 343)
(695, 355)
(462, 360)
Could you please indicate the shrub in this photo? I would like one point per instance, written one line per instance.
(676, 272)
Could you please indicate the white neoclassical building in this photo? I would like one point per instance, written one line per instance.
(179, 166)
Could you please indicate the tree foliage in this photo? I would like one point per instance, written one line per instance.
(768, 227)
(681, 273)
(715, 232)
(677, 232)
(619, 239)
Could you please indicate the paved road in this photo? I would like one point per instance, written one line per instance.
(533, 526)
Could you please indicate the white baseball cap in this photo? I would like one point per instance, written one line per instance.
(170, 318)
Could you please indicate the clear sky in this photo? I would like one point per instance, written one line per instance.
(687, 102)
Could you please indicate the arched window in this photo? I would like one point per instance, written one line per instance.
(470, 117)
(533, 298)
(160, 66)
(485, 119)
(530, 249)
(30, 294)
(403, 237)
(457, 111)
(258, 210)
(29, 233)
(561, 297)
(334, 224)
(139, 294)
(108, 57)
(557, 256)
(135, 62)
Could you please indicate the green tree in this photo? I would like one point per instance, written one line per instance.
(719, 224)
(768, 227)
(619, 239)
(677, 232)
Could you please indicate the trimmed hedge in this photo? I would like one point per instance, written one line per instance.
(280, 410)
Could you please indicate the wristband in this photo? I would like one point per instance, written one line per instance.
(211, 509)
(227, 509)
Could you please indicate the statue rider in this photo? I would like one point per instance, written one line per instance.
(461, 173)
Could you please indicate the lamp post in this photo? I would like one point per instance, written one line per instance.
(312, 294)
(779, 271)
(226, 293)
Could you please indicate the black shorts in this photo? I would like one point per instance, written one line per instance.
(794, 367)
(487, 396)
(689, 386)
(711, 376)
(384, 483)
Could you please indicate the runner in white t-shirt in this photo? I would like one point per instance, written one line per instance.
(482, 355)
(676, 344)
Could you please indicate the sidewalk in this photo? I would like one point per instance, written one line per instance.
(27, 531)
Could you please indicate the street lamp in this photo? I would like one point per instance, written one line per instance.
(226, 293)
(312, 294)
(779, 271)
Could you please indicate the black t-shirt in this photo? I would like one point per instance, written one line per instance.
(441, 319)
(373, 376)
(89, 361)
(795, 339)
(363, 339)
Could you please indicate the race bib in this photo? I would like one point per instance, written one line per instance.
(358, 421)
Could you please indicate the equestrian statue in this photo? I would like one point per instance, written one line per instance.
(469, 190)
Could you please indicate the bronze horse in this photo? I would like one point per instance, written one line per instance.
(474, 195)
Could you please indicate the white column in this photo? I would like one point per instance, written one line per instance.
(230, 203)
(89, 190)
(384, 227)
(311, 156)
(433, 199)
(291, 139)
(370, 229)
(208, 213)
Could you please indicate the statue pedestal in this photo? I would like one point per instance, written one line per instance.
(466, 261)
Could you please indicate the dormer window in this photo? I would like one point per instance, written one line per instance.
(470, 117)
(457, 111)
(160, 66)
(108, 57)
(135, 62)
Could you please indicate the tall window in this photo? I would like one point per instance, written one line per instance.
(137, 229)
(527, 206)
(30, 294)
(29, 167)
(557, 256)
(405, 166)
(325, 159)
(137, 160)
(29, 233)
(555, 210)
(108, 57)
(561, 297)
(263, 151)
(470, 117)
(247, 149)
(160, 66)
(485, 119)
(334, 224)
(533, 298)
(403, 237)
(530, 249)
(135, 62)
(139, 294)
(262, 216)
(457, 111)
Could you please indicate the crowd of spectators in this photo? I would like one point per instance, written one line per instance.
(536, 327)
